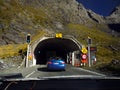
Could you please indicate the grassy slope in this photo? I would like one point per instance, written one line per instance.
(14, 49)
(11, 50)
(99, 38)
(15, 12)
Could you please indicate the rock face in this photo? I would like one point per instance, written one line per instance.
(66, 10)
(95, 17)
(114, 18)
(20, 17)
(60, 10)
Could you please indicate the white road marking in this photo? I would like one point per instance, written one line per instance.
(90, 71)
(30, 74)
(21, 63)
(73, 76)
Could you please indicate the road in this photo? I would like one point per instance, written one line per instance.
(37, 78)
(41, 71)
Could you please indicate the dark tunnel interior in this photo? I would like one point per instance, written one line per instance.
(54, 47)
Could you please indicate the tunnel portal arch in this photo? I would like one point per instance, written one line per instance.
(59, 47)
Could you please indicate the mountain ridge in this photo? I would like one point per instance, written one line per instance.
(20, 17)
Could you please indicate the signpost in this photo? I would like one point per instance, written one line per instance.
(89, 44)
(84, 59)
(84, 56)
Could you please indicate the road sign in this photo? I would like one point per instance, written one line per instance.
(84, 56)
(30, 57)
(58, 35)
(84, 50)
(84, 61)
(92, 48)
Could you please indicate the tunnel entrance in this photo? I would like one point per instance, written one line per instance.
(54, 47)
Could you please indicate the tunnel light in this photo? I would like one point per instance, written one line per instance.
(38, 51)
(58, 35)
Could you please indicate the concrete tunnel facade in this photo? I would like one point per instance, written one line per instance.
(49, 47)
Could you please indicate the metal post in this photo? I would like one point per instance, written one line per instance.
(28, 40)
(67, 58)
(89, 55)
(73, 58)
(34, 60)
(89, 44)
(27, 55)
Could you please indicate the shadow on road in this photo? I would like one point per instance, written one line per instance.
(44, 69)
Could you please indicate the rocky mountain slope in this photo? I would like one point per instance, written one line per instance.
(20, 17)
(113, 20)
(36, 17)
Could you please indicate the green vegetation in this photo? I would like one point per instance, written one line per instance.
(105, 54)
(25, 18)
(16, 14)
(12, 50)
(17, 49)
(108, 47)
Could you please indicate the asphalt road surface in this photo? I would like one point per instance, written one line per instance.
(41, 71)
(36, 78)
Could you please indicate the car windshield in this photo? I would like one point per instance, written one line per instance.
(85, 42)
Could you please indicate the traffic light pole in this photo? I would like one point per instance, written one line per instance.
(27, 55)
(28, 40)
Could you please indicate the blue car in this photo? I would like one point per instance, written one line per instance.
(56, 64)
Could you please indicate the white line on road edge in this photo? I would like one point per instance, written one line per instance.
(30, 74)
(21, 63)
(90, 71)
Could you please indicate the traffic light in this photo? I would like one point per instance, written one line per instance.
(89, 40)
(28, 38)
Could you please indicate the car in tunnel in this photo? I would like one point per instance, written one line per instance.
(56, 63)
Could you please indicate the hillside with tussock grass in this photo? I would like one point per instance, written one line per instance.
(38, 17)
